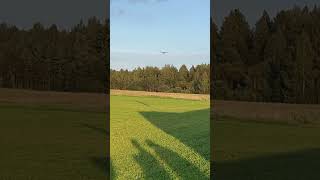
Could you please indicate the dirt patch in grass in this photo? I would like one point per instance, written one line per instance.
(97, 101)
(276, 112)
(161, 94)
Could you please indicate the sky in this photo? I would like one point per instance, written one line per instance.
(253, 9)
(63, 13)
(140, 29)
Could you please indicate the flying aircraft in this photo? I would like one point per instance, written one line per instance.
(163, 52)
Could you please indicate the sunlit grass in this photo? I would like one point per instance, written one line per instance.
(159, 138)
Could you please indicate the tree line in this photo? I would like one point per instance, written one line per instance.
(277, 60)
(166, 79)
(51, 58)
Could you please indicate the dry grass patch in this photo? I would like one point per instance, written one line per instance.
(276, 112)
(161, 94)
(96, 101)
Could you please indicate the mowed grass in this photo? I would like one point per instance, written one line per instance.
(251, 150)
(159, 138)
(41, 140)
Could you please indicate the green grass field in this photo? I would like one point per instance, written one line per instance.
(246, 150)
(159, 138)
(49, 135)
(46, 141)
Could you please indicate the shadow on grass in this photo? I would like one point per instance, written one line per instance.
(178, 164)
(149, 164)
(97, 129)
(191, 128)
(298, 165)
(112, 175)
(103, 163)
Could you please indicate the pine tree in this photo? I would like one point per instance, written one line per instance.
(304, 64)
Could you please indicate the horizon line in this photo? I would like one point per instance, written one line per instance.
(160, 67)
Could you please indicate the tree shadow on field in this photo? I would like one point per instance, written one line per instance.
(149, 164)
(181, 166)
(191, 128)
(300, 165)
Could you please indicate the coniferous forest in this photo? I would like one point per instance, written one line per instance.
(166, 79)
(50, 58)
(276, 60)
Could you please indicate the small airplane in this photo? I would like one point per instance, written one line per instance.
(163, 52)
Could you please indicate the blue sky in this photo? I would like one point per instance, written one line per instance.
(140, 29)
